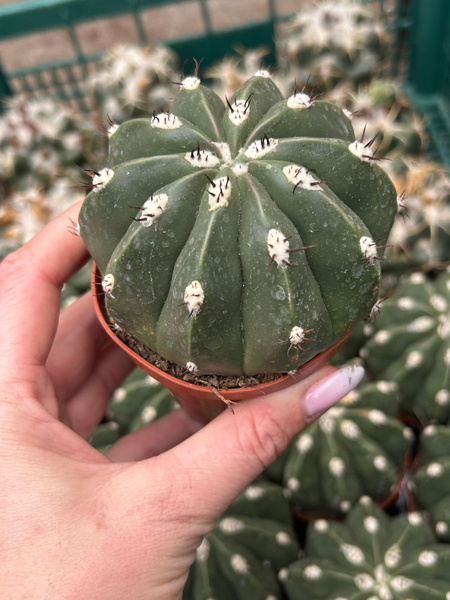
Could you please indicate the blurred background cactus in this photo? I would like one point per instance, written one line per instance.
(351, 52)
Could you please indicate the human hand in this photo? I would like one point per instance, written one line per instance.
(75, 523)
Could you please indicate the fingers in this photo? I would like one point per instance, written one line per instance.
(30, 283)
(219, 461)
(154, 439)
(78, 343)
(87, 406)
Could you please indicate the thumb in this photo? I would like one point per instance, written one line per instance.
(219, 461)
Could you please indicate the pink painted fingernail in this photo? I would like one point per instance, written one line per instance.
(326, 392)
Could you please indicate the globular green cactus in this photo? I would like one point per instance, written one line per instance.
(411, 345)
(140, 400)
(249, 544)
(357, 448)
(239, 239)
(370, 557)
(430, 484)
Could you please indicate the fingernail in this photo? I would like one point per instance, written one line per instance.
(326, 392)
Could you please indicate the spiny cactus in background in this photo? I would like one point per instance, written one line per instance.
(140, 400)
(381, 109)
(133, 81)
(240, 239)
(329, 41)
(421, 237)
(230, 73)
(430, 484)
(370, 556)
(357, 448)
(39, 141)
(249, 544)
(28, 210)
(411, 346)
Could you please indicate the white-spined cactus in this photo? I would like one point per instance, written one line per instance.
(242, 239)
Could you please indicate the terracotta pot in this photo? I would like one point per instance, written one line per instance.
(200, 402)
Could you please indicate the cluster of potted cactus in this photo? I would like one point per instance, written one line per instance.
(239, 236)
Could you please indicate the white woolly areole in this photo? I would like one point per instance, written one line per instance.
(353, 554)
(149, 414)
(254, 492)
(414, 360)
(441, 528)
(190, 83)
(380, 463)
(231, 525)
(102, 179)
(349, 429)
(112, 130)
(166, 120)
(108, 284)
(321, 525)
(301, 177)
(386, 387)
(415, 519)
(427, 558)
(393, 556)
(312, 572)
(225, 151)
(278, 247)
(442, 397)
(219, 191)
(201, 158)
(203, 551)
(364, 582)
(283, 538)
(283, 574)
(194, 297)
(263, 73)
(368, 248)
(422, 324)
(382, 336)
(371, 524)
(443, 329)
(299, 101)
(377, 417)
(406, 303)
(360, 150)
(239, 564)
(153, 208)
(336, 466)
(298, 334)
(417, 278)
(261, 147)
(239, 111)
(293, 484)
(191, 367)
(304, 443)
(239, 168)
(401, 583)
(438, 302)
(435, 470)
(345, 505)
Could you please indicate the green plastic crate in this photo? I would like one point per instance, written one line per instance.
(421, 51)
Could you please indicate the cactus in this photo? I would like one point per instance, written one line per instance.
(239, 240)
(140, 400)
(133, 81)
(357, 448)
(372, 557)
(411, 346)
(430, 484)
(423, 239)
(249, 544)
(329, 41)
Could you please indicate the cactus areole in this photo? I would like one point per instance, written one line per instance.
(238, 239)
